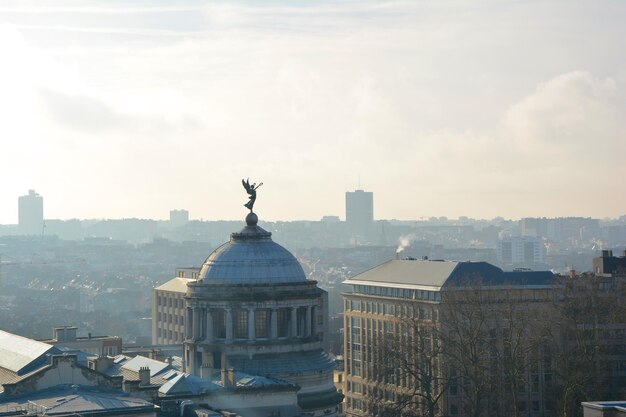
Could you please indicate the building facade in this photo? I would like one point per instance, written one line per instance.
(394, 320)
(168, 308)
(443, 338)
(250, 309)
(360, 211)
(30, 213)
(65, 336)
(520, 250)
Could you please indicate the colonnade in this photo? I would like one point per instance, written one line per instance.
(201, 323)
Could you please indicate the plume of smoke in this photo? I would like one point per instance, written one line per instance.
(404, 242)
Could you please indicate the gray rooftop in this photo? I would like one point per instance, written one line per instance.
(434, 274)
(71, 399)
(412, 273)
(17, 352)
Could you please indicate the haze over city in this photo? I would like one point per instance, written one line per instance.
(476, 108)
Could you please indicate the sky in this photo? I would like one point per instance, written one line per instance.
(118, 109)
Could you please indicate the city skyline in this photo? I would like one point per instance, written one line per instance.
(477, 109)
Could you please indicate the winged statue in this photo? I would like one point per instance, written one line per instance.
(251, 190)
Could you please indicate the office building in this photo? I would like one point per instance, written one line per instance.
(360, 212)
(179, 218)
(168, 308)
(30, 213)
(447, 338)
(520, 250)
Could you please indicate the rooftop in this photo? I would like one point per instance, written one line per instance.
(19, 354)
(70, 399)
(435, 274)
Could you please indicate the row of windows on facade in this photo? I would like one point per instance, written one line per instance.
(174, 336)
(409, 294)
(261, 322)
(390, 394)
(170, 301)
(170, 318)
(400, 310)
(522, 406)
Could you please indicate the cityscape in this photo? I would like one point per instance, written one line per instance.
(366, 208)
(117, 289)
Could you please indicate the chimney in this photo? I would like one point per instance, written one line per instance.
(101, 363)
(144, 376)
(231, 377)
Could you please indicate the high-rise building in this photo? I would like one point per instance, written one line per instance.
(179, 218)
(30, 213)
(520, 250)
(359, 211)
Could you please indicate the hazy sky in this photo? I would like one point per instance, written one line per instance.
(442, 108)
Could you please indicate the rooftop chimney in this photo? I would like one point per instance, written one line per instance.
(144, 376)
(101, 363)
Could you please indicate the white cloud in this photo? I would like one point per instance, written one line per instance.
(437, 107)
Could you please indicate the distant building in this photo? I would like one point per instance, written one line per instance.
(609, 264)
(168, 308)
(360, 211)
(179, 218)
(30, 213)
(520, 249)
(65, 336)
(561, 228)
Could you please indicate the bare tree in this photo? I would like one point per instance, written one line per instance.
(408, 362)
(588, 339)
(465, 335)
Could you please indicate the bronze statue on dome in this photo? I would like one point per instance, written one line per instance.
(251, 190)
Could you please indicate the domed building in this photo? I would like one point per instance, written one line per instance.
(253, 310)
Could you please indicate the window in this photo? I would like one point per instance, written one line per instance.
(241, 324)
(219, 323)
(283, 319)
(261, 323)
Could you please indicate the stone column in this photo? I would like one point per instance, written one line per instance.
(229, 325)
(188, 318)
(251, 327)
(196, 323)
(294, 321)
(209, 326)
(192, 359)
(307, 322)
(273, 324)
(314, 329)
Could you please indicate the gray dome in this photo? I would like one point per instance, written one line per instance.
(251, 257)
